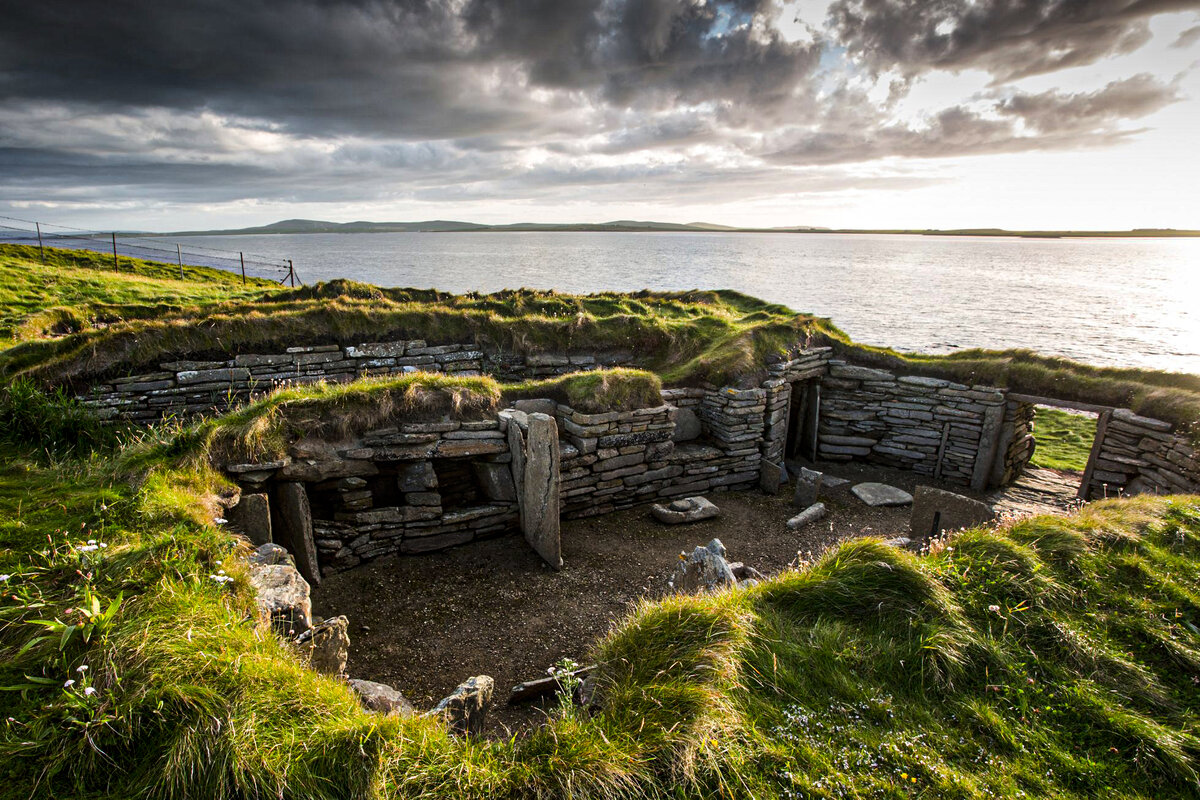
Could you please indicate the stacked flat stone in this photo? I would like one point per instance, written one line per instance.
(1143, 455)
(926, 425)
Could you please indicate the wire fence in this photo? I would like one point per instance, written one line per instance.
(146, 247)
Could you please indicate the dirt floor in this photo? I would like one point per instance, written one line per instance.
(425, 623)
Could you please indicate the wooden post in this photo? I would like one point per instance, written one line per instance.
(116, 265)
(41, 249)
(242, 258)
(291, 273)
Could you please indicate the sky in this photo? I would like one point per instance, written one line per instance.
(197, 114)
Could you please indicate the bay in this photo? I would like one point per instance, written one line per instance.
(1118, 302)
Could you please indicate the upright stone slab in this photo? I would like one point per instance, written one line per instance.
(296, 529)
(539, 489)
(808, 487)
(251, 517)
(989, 446)
(936, 510)
(770, 475)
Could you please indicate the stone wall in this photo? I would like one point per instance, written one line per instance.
(1017, 432)
(1135, 455)
(808, 365)
(184, 387)
(927, 425)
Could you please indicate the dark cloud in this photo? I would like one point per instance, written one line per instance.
(1013, 122)
(1188, 37)
(1008, 38)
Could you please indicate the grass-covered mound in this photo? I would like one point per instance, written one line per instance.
(1056, 657)
(79, 290)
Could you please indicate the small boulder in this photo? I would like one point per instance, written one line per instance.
(465, 709)
(687, 509)
(741, 572)
(809, 515)
(282, 594)
(808, 487)
(704, 570)
(880, 494)
(381, 698)
(328, 646)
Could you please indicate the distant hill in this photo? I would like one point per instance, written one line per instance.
(640, 226)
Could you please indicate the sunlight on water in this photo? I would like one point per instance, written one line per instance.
(1127, 302)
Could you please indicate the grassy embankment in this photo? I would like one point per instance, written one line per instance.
(686, 338)
(1056, 657)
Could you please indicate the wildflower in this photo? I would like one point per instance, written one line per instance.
(89, 691)
(70, 682)
(81, 668)
(5, 577)
(994, 609)
(220, 520)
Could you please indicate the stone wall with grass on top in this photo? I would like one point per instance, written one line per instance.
(927, 425)
(1140, 455)
(191, 387)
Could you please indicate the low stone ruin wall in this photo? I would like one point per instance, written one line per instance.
(204, 387)
(927, 425)
(1136, 455)
(1017, 431)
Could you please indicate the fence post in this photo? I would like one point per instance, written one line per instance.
(116, 265)
(242, 258)
(291, 273)
(41, 249)
(179, 255)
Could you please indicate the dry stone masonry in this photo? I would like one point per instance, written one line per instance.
(1136, 455)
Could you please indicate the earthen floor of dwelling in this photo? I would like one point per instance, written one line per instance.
(425, 623)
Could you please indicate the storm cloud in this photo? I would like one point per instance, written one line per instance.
(212, 101)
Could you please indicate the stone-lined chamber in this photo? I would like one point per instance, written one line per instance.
(418, 486)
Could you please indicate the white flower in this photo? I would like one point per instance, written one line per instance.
(994, 609)
(5, 577)
(91, 541)
(86, 548)
(81, 668)
(103, 544)
(89, 691)
(220, 520)
(69, 683)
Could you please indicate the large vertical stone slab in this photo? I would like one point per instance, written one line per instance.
(296, 530)
(989, 446)
(539, 489)
(251, 517)
(935, 510)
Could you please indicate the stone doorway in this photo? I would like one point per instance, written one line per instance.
(804, 411)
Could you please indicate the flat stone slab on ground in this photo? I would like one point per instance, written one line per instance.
(880, 494)
(832, 481)
(687, 509)
(811, 514)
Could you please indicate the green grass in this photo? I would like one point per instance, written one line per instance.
(1057, 657)
(77, 290)
(1064, 440)
(686, 338)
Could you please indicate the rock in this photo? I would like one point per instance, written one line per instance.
(770, 475)
(328, 646)
(539, 489)
(251, 517)
(381, 698)
(295, 529)
(880, 494)
(742, 572)
(416, 476)
(809, 515)
(495, 480)
(899, 542)
(687, 509)
(541, 405)
(704, 570)
(832, 481)
(540, 687)
(936, 510)
(465, 709)
(282, 595)
(687, 425)
(808, 487)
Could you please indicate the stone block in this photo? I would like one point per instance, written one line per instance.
(251, 517)
(294, 527)
(465, 709)
(495, 480)
(806, 517)
(936, 510)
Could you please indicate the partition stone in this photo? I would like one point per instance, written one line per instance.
(251, 517)
(539, 490)
(936, 510)
(296, 529)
